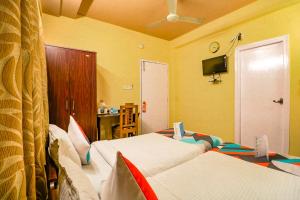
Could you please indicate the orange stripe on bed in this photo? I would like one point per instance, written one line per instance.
(239, 153)
(265, 164)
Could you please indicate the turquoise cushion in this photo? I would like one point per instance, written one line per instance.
(216, 141)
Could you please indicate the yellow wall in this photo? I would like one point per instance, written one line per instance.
(210, 108)
(118, 54)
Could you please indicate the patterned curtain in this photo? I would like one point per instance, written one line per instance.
(23, 101)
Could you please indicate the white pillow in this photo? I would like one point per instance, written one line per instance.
(287, 167)
(79, 140)
(75, 180)
(126, 182)
(66, 147)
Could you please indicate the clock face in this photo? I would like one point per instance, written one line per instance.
(214, 47)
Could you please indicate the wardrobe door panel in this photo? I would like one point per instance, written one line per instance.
(58, 86)
(83, 91)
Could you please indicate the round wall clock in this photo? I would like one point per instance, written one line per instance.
(214, 47)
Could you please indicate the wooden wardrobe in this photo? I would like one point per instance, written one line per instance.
(72, 88)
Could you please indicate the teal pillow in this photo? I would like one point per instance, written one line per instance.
(88, 157)
(216, 141)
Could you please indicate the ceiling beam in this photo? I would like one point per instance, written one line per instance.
(84, 7)
(52, 7)
(70, 8)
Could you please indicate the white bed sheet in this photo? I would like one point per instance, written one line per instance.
(98, 170)
(215, 176)
(151, 153)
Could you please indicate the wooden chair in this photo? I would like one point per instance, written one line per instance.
(128, 122)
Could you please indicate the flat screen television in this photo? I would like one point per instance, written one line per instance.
(214, 65)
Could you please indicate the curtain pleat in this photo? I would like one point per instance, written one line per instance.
(23, 101)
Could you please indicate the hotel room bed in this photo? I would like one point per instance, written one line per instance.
(151, 153)
(215, 176)
(176, 170)
(276, 161)
(210, 175)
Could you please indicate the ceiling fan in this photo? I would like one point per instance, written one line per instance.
(173, 17)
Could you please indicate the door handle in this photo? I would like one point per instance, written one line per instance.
(144, 107)
(280, 101)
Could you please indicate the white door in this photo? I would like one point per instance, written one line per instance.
(154, 96)
(263, 84)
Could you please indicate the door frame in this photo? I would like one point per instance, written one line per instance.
(142, 61)
(286, 118)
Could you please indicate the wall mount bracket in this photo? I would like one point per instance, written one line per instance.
(215, 80)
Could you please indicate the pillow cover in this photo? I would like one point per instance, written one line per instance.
(79, 140)
(126, 182)
(288, 165)
(60, 143)
(73, 183)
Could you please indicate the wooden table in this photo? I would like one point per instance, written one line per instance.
(102, 116)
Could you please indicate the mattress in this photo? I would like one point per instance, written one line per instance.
(216, 176)
(151, 153)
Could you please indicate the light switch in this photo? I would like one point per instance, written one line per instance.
(127, 87)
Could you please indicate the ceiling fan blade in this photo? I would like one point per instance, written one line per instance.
(192, 20)
(172, 5)
(156, 24)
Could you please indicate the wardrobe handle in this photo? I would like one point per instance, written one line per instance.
(67, 105)
(73, 107)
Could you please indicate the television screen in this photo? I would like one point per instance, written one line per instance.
(214, 65)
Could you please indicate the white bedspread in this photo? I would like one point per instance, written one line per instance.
(214, 176)
(151, 153)
(98, 170)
